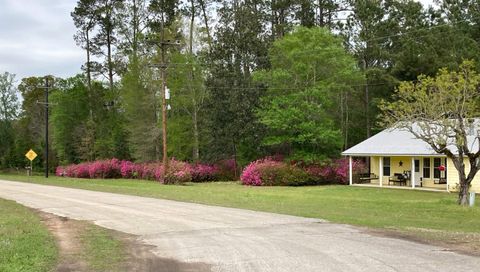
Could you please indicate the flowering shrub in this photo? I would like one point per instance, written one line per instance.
(273, 173)
(251, 174)
(60, 171)
(228, 169)
(127, 169)
(178, 172)
(334, 172)
(204, 172)
(269, 171)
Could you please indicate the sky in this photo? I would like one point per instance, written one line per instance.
(36, 38)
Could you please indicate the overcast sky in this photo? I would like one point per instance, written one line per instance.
(36, 38)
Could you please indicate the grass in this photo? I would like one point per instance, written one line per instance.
(371, 207)
(25, 243)
(101, 250)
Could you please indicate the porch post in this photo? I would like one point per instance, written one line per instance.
(412, 175)
(380, 170)
(350, 170)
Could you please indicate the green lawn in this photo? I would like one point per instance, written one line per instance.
(101, 250)
(373, 207)
(25, 243)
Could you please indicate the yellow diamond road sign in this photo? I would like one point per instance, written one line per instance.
(31, 155)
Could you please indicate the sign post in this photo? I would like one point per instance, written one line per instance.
(31, 155)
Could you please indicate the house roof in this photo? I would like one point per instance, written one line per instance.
(399, 142)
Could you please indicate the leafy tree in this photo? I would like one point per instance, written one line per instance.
(31, 123)
(8, 113)
(106, 41)
(189, 94)
(366, 22)
(68, 119)
(440, 110)
(310, 69)
(8, 98)
(84, 18)
(141, 101)
(239, 48)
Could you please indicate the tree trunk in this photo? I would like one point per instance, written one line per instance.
(192, 23)
(196, 152)
(463, 193)
(89, 74)
(464, 180)
(207, 28)
(135, 30)
(109, 60)
(367, 99)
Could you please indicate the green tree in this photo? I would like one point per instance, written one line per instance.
(239, 48)
(31, 124)
(68, 119)
(188, 97)
(9, 108)
(141, 102)
(440, 110)
(310, 70)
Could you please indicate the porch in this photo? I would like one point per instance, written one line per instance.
(428, 172)
(428, 189)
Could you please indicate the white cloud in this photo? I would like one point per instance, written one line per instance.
(36, 38)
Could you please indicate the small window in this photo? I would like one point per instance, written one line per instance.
(436, 163)
(386, 166)
(426, 167)
(417, 166)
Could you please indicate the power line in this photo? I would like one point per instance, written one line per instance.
(290, 89)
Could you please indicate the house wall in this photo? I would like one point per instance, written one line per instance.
(406, 166)
(451, 173)
(394, 165)
(453, 180)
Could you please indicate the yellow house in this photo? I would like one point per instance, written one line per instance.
(396, 158)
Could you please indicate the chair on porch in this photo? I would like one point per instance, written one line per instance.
(398, 178)
(366, 177)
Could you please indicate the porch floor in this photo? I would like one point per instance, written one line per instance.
(376, 185)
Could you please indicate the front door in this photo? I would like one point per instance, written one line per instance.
(418, 178)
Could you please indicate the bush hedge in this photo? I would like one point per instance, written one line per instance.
(271, 172)
(178, 171)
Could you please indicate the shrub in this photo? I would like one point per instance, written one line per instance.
(335, 171)
(228, 169)
(60, 171)
(178, 172)
(273, 173)
(127, 169)
(204, 172)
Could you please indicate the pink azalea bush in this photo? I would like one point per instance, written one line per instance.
(336, 171)
(204, 172)
(228, 169)
(271, 172)
(178, 171)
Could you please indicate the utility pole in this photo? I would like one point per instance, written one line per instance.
(47, 88)
(163, 45)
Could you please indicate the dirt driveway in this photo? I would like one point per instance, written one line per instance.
(225, 239)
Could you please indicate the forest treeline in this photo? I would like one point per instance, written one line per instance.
(246, 78)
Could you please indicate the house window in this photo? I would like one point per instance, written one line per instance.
(386, 166)
(436, 163)
(426, 167)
